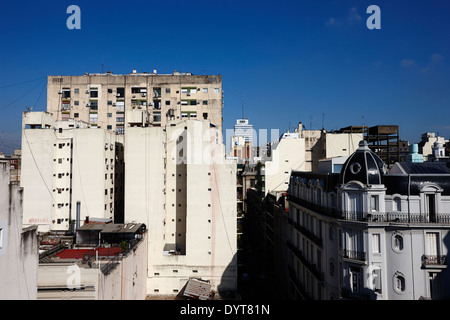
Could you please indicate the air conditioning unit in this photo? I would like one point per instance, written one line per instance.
(144, 94)
(114, 104)
(88, 104)
(87, 91)
(106, 146)
(111, 147)
(60, 92)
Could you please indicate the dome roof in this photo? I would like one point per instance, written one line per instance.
(364, 166)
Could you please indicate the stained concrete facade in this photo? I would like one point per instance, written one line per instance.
(103, 99)
(18, 246)
(179, 184)
(69, 171)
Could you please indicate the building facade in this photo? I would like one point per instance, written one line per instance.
(102, 99)
(69, 171)
(180, 185)
(18, 245)
(366, 233)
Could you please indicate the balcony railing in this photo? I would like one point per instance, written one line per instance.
(440, 260)
(354, 255)
(375, 216)
(312, 267)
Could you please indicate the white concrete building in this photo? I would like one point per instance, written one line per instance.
(18, 245)
(179, 184)
(287, 154)
(428, 142)
(69, 171)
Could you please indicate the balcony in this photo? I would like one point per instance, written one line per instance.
(311, 267)
(358, 256)
(374, 216)
(429, 261)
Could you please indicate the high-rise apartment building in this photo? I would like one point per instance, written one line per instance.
(180, 185)
(103, 99)
(241, 142)
(69, 171)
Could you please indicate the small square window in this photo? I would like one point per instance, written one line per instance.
(77, 91)
(205, 90)
(216, 90)
(76, 102)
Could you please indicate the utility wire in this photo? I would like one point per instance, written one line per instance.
(26, 93)
(19, 83)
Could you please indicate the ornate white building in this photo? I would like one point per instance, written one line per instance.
(367, 233)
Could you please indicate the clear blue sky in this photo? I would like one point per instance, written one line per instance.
(309, 61)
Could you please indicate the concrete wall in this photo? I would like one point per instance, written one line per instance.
(287, 155)
(65, 165)
(190, 203)
(110, 82)
(18, 247)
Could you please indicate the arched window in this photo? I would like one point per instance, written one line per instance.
(397, 242)
(399, 283)
(397, 204)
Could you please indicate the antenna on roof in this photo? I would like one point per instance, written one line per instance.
(323, 118)
(102, 63)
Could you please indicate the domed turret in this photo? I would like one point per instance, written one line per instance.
(364, 166)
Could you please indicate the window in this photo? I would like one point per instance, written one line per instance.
(65, 106)
(374, 203)
(109, 115)
(109, 103)
(399, 283)
(432, 247)
(167, 102)
(93, 93)
(205, 102)
(76, 115)
(397, 242)
(66, 93)
(93, 118)
(216, 90)
(120, 119)
(120, 92)
(205, 115)
(397, 204)
(376, 243)
(76, 102)
(167, 90)
(376, 279)
(1, 238)
(331, 233)
(76, 91)
(109, 127)
(120, 130)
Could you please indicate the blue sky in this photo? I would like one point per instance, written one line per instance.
(309, 61)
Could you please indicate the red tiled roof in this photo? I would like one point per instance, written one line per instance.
(79, 253)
